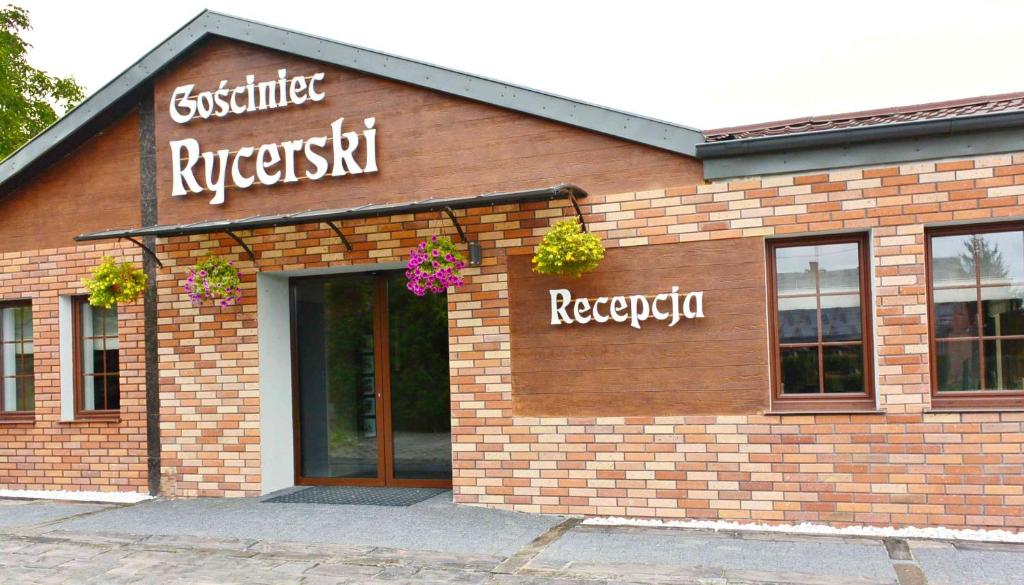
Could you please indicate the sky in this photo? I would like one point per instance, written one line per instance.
(704, 65)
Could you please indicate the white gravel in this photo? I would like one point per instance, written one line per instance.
(67, 496)
(805, 528)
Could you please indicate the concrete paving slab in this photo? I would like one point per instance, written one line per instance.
(708, 554)
(23, 513)
(946, 564)
(433, 525)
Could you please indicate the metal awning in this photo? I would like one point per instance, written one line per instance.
(331, 216)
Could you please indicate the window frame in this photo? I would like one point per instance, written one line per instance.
(77, 346)
(963, 399)
(20, 415)
(823, 401)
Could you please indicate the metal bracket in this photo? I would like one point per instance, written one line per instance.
(338, 231)
(242, 243)
(579, 213)
(455, 221)
(145, 250)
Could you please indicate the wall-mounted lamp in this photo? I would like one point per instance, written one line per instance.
(476, 255)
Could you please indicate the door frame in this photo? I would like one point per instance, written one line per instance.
(382, 388)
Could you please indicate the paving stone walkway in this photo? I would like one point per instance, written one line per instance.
(50, 543)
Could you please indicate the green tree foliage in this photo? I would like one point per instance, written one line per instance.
(29, 98)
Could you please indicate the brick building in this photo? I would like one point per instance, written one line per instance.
(858, 360)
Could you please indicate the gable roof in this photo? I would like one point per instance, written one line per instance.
(113, 99)
(990, 104)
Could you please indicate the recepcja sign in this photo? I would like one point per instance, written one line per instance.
(350, 153)
(670, 306)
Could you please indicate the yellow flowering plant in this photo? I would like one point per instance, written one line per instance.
(114, 282)
(567, 250)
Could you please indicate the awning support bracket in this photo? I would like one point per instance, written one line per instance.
(341, 235)
(145, 250)
(455, 221)
(242, 243)
(579, 212)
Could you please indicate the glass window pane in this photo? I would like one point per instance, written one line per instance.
(420, 398)
(840, 318)
(840, 267)
(25, 334)
(957, 365)
(1002, 308)
(110, 323)
(956, 312)
(113, 397)
(337, 376)
(844, 369)
(10, 397)
(798, 320)
(111, 361)
(24, 365)
(89, 393)
(1001, 256)
(953, 261)
(799, 370)
(19, 394)
(95, 318)
(99, 388)
(9, 358)
(9, 323)
(91, 355)
(797, 268)
(27, 394)
(794, 270)
(1004, 364)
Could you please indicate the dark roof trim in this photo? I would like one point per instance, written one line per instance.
(907, 141)
(558, 192)
(664, 135)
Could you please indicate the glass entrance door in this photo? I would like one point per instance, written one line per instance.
(370, 365)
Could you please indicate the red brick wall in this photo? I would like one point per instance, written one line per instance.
(48, 454)
(905, 466)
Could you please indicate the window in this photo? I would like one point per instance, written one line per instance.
(976, 308)
(17, 397)
(97, 376)
(821, 325)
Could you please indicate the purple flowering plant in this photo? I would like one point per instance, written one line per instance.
(214, 279)
(434, 265)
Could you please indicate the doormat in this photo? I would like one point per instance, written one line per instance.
(356, 496)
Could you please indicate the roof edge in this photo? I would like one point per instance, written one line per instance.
(991, 134)
(859, 135)
(643, 130)
(713, 134)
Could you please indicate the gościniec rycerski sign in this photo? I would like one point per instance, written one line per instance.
(275, 162)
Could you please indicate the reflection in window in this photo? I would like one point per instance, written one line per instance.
(978, 310)
(17, 358)
(820, 325)
(98, 370)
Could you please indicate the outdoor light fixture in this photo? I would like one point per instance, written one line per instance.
(476, 255)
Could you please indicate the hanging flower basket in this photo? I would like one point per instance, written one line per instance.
(434, 266)
(214, 279)
(566, 250)
(113, 283)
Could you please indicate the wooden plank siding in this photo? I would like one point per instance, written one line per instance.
(429, 144)
(93, 188)
(714, 365)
